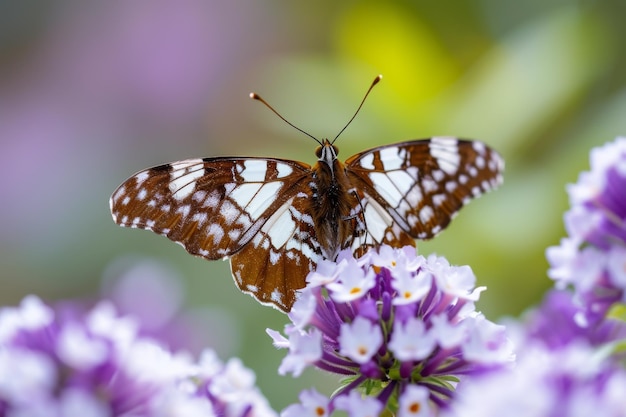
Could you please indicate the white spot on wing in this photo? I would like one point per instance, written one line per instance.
(367, 161)
(277, 297)
(385, 188)
(263, 199)
(142, 194)
(414, 197)
(446, 152)
(437, 175)
(281, 226)
(429, 185)
(199, 217)
(217, 232)
(479, 147)
(426, 213)
(254, 170)
(283, 169)
(184, 210)
(390, 159)
(183, 177)
(199, 195)
(141, 177)
(303, 248)
(274, 257)
(401, 180)
(229, 212)
(377, 220)
(120, 192)
(212, 200)
(439, 199)
(243, 193)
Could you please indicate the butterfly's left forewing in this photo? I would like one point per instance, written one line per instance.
(254, 210)
(420, 185)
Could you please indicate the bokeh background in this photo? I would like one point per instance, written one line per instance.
(91, 92)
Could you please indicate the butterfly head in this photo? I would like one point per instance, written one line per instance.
(327, 153)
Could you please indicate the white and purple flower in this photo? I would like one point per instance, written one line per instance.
(399, 325)
(59, 362)
(592, 259)
(570, 381)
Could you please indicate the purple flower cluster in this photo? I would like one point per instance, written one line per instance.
(399, 326)
(592, 259)
(562, 369)
(569, 349)
(60, 362)
(568, 382)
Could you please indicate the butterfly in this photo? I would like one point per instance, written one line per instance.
(275, 219)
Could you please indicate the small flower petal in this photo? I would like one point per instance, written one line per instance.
(360, 339)
(409, 287)
(312, 404)
(353, 284)
(414, 402)
(411, 341)
(358, 406)
(487, 342)
(447, 334)
(305, 348)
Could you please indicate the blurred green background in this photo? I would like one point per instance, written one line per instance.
(91, 92)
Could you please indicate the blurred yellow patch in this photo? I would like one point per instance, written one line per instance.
(397, 44)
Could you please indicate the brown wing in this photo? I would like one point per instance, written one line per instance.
(274, 265)
(222, 207)
(417, 187)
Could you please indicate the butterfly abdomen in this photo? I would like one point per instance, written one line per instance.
(331, 207)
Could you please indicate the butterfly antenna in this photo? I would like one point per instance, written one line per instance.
(258, 97)
(376, 80)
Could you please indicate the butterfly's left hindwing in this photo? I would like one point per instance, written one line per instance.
(421, 185)
(274, 265)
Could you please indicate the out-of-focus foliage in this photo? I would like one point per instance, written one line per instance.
(91, 92)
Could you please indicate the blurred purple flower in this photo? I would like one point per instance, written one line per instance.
(64, 363)
(394, 335)
(592, 259)
(557, 322)
(161, 310)
(312, 404)
(569, 382)
(568, 349)
(357, 405)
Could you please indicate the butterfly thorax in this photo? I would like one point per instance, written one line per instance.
(332, 201)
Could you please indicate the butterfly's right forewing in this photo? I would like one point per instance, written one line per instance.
(422, 184)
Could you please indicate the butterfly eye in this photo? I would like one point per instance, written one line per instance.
(335, 150)
(318, 152)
